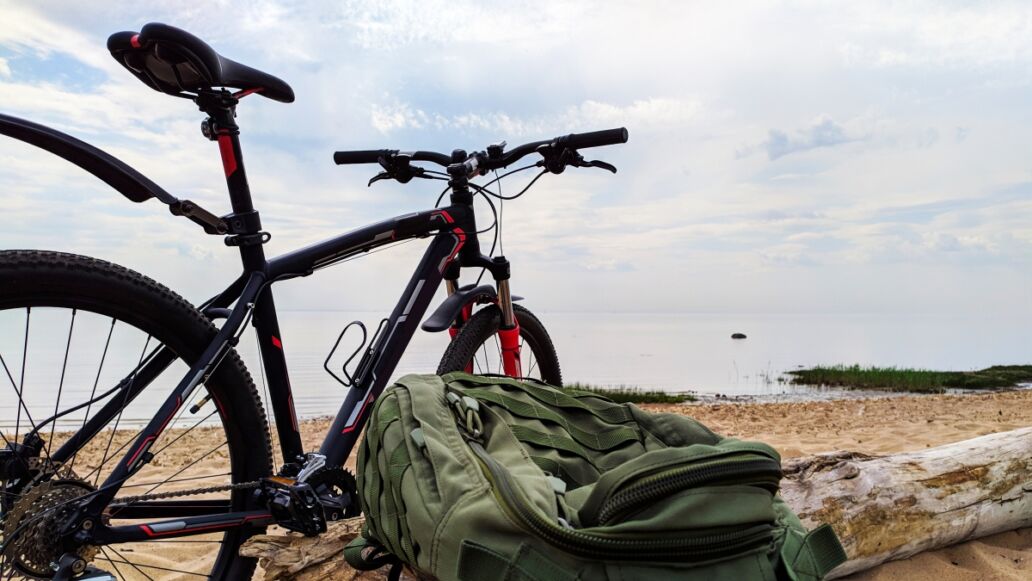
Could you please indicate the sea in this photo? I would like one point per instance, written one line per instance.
(676, 353)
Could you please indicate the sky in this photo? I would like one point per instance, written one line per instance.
(784, 157)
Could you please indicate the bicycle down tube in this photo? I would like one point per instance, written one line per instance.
(372, 377)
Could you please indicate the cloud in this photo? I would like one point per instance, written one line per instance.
(643, 114)
(823, 132)
(930, 34)
(937, 183)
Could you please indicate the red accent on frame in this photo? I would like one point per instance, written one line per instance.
(277, 343)
(219, 525)
(293, 416)
(151, 438)
(229, 162)
(461, 236)
(447, 216)
(142, 447)
(135, 41)
(365, 404)
(510, 339)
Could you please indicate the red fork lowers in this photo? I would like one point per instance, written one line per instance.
(510, 339)
(509, 332)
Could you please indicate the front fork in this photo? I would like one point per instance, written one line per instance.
(509, 329)
(509, 332)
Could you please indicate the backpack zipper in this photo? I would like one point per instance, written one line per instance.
(762, 472)
(614, 546)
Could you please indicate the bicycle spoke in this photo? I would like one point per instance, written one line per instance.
(181, 470)
(21, 401)
(185, 432)
(96, 382)
(141, 485)
(123, 557)
(125, 398)
(21, 382)
(60, 384)
(107, 557)
(100, 467)
(156, 567)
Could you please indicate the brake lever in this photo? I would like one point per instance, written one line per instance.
(599, 164)
(380, 176)
(397, 168)
(556, 162)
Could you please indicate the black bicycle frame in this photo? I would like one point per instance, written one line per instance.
(453, 239)
(255, 297)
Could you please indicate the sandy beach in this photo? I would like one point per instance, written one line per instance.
(873, 426)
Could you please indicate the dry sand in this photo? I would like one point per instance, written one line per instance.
(886, 426)
(873, 426)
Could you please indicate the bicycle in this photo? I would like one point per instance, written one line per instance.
(59, 517)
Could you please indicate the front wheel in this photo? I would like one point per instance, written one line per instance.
(476, 348)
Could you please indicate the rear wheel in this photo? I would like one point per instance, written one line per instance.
(477, 348)
(72, 330)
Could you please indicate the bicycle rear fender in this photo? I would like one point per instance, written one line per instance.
(113, 171)
(450, 309)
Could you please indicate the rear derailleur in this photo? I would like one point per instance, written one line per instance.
(309, 494)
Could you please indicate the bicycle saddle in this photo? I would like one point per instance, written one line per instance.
(174, 61)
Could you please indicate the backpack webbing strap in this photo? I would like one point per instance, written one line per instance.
(398, 463)
(603, 439)
(607, 411)
(554, 441)
(818, 553)
(478, 563)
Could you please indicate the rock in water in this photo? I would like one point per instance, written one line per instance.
(738, 335)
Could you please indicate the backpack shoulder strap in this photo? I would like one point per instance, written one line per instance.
(813, 556)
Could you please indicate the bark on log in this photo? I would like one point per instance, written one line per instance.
(883, 508)
(892, 507)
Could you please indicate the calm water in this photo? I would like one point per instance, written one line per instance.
(669, 352)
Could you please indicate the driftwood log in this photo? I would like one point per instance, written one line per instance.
(883, 508)
(892, 507)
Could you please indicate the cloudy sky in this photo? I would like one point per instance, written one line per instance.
(784, 156)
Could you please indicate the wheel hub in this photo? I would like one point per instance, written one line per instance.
(32, 539)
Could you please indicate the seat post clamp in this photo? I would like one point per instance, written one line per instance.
(243, 222)
(256, 239)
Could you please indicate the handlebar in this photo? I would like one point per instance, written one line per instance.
(594, 138)
(491, 160)
(361, 156)
(374, 155)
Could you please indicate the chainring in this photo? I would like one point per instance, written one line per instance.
(31, 538)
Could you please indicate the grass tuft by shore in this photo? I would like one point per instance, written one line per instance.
(912, 380)
(629, 394)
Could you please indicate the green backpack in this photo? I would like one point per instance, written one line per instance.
(489, 479)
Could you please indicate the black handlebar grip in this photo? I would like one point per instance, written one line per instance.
(363, 156)
(595, 138)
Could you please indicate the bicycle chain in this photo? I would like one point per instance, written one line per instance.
(127, 500)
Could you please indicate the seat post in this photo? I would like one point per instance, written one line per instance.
(244, 222)
(221, 126)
